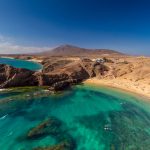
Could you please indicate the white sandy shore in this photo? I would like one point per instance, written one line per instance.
(139, 88)
(7, 57)
(35, 60)
(2, 90)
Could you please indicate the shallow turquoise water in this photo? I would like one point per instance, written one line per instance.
(18, 63)
(93, 118)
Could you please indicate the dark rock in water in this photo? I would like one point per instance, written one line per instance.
(62, 146)
(50, 126)
(59, 86)
(67, 138)
(54, 128)
(66, 142)
(62, 85)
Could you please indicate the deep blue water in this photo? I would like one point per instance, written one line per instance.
(18, 63)
(91, 118)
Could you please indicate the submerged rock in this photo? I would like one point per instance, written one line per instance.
(65, 142)
(61, 146)
(56, 129)
(50, 126)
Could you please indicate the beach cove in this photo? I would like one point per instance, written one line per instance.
(20, 63)
(129, 86)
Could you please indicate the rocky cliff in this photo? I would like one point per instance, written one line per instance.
(15, 77)
(58, 78)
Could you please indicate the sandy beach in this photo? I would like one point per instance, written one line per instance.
(7, 57)
(130, 86)
(35, 60)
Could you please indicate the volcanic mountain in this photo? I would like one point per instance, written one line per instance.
(69, 50)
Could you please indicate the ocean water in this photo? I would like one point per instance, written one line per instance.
(92, 118)
(18, 63)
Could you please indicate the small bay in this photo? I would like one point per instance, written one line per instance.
(19, 63)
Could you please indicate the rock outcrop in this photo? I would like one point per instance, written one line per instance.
(15, 77)
(58, 78)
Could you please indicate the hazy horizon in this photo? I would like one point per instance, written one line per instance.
(29, 26)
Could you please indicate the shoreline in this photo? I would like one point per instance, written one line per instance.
(35, 60)
(7, 57)
(124, 85)
(38, 62)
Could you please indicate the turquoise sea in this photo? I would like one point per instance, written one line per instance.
(18, 63)
(92, 118)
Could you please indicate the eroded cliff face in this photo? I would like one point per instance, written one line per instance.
(58, 78)
(15, 77)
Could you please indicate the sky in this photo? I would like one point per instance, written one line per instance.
(39, 25)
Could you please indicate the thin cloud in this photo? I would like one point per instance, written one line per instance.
(8, 46)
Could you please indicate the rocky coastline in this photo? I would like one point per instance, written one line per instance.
(60, 73)
(57, 76)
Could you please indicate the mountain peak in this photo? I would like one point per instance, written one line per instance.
(67, 46)
(70, 50)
